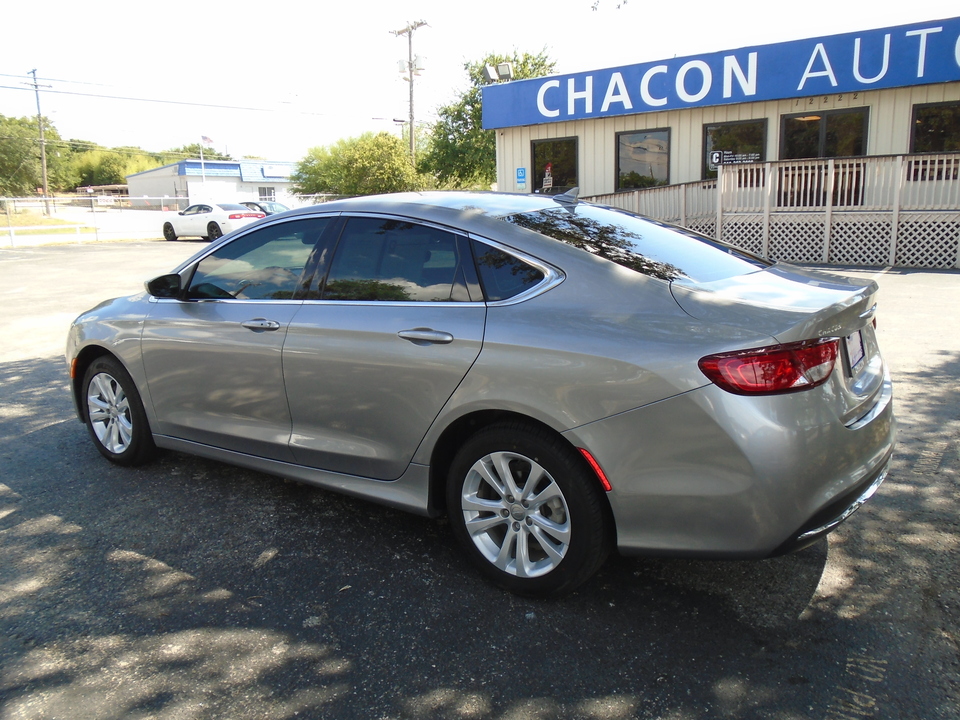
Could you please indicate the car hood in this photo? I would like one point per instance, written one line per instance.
(788, 302)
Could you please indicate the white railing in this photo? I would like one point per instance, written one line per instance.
(907, 208)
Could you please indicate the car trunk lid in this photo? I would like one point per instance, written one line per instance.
(793, 304)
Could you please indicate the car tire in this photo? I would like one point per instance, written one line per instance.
(114, 414)
(542, 532)
(169, 233)
(214, 231)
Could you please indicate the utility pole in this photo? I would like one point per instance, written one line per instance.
(43, 143)
(412, 69)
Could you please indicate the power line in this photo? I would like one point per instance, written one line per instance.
(168, 102)
(70, 82)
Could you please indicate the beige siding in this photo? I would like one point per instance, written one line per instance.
(891, 113)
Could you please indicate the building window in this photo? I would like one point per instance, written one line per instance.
(936, 128)
(736, 142)
(839, 133)
(267, 194)
(554, 165)
(643, 159)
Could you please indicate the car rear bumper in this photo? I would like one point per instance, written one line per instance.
(829, 517)
(710, 474)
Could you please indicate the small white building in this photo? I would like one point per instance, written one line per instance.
(214, 181)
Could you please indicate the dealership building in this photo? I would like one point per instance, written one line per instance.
(837, 149)
(878, 92)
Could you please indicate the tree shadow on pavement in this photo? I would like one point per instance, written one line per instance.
(188, 588)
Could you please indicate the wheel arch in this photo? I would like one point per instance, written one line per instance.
(454, 436)
(79, 369)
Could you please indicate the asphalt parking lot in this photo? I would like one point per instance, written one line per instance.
(191, 589)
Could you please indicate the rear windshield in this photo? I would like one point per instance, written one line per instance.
(641, 245)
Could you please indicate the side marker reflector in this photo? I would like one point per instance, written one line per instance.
(598, 471)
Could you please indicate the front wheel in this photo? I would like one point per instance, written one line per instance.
(169, 233)
(214, 231)
(527, 510)
(114, 413)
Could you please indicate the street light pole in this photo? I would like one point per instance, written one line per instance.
(43, 142)
(411, 71)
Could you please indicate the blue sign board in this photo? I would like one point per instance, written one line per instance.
(521, 175)
(917, 54)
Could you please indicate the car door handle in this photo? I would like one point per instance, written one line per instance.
(261, 324)
(422, 336)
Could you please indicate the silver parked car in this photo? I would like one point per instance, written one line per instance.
(559, 378)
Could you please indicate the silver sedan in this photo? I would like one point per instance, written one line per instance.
(559, 378)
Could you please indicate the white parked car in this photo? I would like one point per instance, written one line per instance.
(209, 221)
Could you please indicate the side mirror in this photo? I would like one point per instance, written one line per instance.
(165, 286)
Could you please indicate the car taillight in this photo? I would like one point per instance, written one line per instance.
(773, 370)
(239, 216)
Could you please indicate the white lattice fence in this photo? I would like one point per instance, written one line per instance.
(704, 226)
(797, 237)
(860, 238)
(900, 209)
(930, 240)
(744, 231)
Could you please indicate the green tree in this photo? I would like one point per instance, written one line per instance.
(364, 165)
(20, 167)
(94, 165)
(461, 153)
(192, 151)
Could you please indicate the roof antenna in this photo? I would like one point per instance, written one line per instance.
(569, 197)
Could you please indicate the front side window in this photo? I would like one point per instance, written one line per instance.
(643, 159)
(262, 265)
(736, 142)
(839, 133)
(392, 260)
(554, 166)
(936, 128)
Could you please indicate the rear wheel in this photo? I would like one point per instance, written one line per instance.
(169, 233)
(214, 231)
(527, 510)
(114, 413)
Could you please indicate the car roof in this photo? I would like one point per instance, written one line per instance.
(492, 204)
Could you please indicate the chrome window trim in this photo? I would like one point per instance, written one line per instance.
(192, 301)
(395, 303)
(552, 276)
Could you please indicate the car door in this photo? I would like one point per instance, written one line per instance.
(213, 357)
(193, 222)
(369, 365)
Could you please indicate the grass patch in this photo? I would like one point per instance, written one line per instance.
(52, 230)
(29, 219)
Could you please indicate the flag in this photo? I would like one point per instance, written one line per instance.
(206, 140)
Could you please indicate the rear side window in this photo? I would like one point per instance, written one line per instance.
(641, 245)
(395, 261)
(502, 275)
